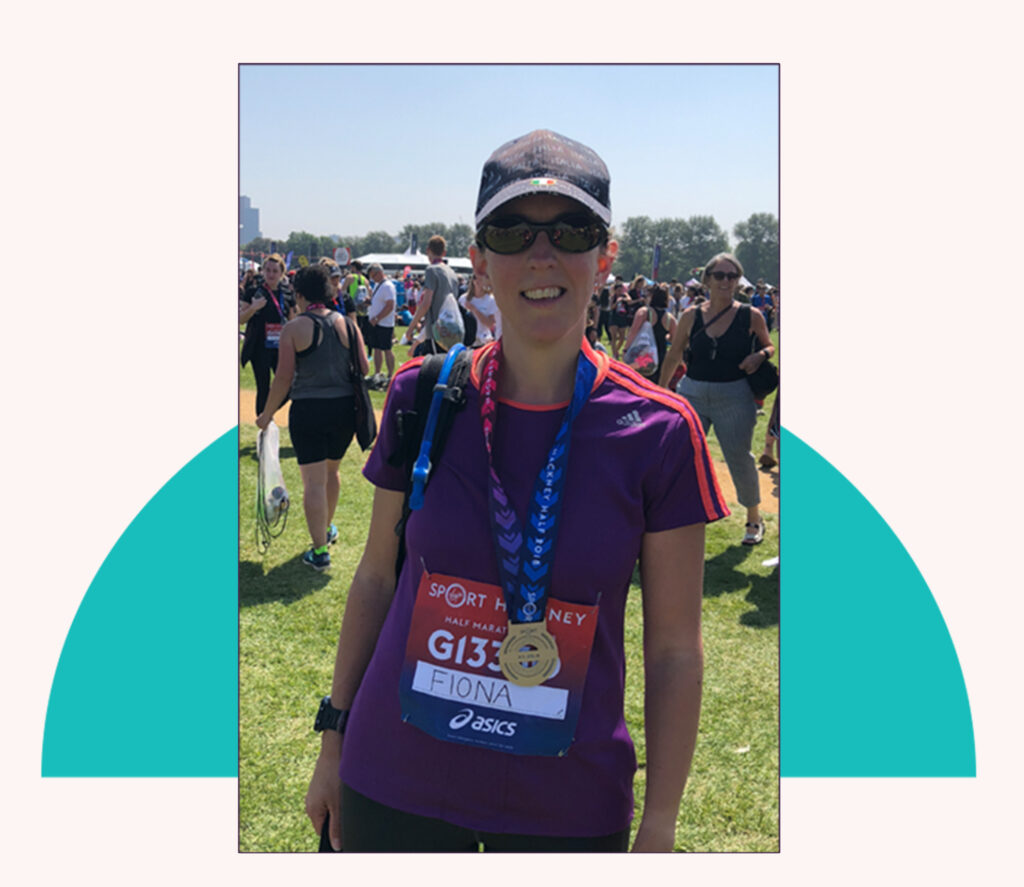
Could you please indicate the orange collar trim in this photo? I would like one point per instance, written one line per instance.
(601, 361)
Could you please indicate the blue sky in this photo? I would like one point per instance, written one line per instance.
(347, 149)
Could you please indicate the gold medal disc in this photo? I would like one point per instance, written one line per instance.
(528, 655)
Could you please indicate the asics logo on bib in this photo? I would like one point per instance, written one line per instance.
(481, 724)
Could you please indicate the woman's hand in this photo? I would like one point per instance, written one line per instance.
(751, 362)
(263, 420)
(259, 302)
(324, 795)
(654, 838)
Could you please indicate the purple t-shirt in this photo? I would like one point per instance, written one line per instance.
(638, 463)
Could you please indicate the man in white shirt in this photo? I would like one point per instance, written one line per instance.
(381, 319)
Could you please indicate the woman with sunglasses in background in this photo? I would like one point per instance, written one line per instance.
(718, 334)
(478, 700)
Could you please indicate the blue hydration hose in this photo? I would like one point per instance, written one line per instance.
(421, 470)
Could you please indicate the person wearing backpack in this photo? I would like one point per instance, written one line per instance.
(477, 697)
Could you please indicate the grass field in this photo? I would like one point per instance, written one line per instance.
(288, 627)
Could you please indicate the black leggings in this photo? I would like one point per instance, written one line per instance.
(263, 361)
(370, 827)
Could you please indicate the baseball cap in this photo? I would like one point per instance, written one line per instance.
(544, 162)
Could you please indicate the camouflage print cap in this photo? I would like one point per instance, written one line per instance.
(544, 162)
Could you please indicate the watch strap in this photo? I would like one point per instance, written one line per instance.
(330, 718)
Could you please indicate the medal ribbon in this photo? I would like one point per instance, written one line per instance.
(525, 561)
(277, 304)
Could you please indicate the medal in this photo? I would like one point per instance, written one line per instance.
(528, 655)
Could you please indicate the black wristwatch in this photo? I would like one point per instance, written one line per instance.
(329, 717)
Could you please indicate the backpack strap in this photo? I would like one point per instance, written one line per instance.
(413, 423)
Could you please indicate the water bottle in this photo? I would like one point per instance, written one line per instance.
(278, 503)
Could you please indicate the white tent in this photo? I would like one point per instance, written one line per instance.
(416, 261)
(745, 283)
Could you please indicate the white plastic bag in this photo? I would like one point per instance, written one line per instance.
(362, 300)
(449, 328)
(642, 355)
(270, 490)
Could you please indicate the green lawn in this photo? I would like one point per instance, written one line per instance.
(288, 624)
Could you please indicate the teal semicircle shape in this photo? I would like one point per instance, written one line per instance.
(147, 682)
(870, 681)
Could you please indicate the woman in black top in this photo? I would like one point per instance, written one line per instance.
(267, 305)
(718, 333)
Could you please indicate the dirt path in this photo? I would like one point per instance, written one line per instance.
(769, 482)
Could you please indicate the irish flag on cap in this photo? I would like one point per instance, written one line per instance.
(543, 181)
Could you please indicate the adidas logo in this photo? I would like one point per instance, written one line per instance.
(632, 418)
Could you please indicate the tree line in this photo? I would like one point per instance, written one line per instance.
(685, 244)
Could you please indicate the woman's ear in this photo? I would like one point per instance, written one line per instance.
(606, 259)
(476, 256)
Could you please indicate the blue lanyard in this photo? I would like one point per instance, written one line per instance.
(421, 470)
(525, 561)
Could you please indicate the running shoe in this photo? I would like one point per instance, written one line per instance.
(332, 534)
(317, 560)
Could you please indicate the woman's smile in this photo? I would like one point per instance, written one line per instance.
(541, 294)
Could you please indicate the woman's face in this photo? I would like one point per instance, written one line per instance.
(542, 292)
(724, 287)
(272, 273)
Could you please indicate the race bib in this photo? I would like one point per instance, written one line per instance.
(273, 337)
(453, 688)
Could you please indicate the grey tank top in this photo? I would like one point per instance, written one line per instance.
(322, 370)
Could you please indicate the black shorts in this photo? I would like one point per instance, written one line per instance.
(380, 337)
(321, 428)
(621, 320)
(370, 827)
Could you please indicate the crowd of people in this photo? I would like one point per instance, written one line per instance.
(408, 761)
(617, 311)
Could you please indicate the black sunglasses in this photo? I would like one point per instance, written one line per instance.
(724, 275)
(573, 233)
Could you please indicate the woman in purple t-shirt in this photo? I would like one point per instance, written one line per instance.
(478, 700)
